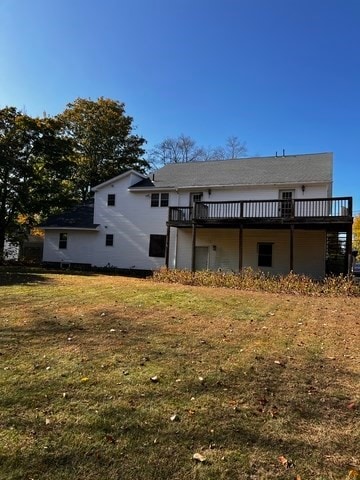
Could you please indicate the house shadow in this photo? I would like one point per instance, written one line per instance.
(8, 277)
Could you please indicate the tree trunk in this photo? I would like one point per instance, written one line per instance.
(2, 242)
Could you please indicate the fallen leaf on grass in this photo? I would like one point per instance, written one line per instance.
(278, 362)
(286, 462)
(110, 439)
(354, 473)
(85, 379)
(199, 458)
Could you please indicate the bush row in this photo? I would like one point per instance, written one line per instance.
(249, 279)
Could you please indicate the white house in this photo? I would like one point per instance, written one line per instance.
(276, 214)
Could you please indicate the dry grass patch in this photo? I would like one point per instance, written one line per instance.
(250, 377)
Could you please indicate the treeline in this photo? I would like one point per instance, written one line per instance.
(48, 164)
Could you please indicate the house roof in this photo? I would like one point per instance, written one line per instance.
(145, 182)
(79, 217)
(294, 169)
(117, 178)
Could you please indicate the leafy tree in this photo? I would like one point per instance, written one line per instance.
(34, 166)
(103, 141)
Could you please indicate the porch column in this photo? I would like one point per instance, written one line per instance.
(193, 247)
(291, 248)
(348, 250)
(167, 244)
(241, 242)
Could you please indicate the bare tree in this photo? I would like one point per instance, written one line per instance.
(184, 149)
(216, 153)
(176, 150)
(235, 148)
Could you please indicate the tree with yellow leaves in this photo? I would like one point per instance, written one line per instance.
(356, 234)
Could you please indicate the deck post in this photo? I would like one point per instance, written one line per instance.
(348, 255)
(167, 246)
(193, 244)
(291, 248)
(241, 241)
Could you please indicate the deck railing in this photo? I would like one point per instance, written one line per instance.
(263, 209)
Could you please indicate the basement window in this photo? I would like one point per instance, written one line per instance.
(265, 253)
(157, 245)
(63, 240)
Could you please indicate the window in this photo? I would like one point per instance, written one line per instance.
(157, 245)
(265, 254)
(155, 199)
(160, 199)
(109, 241)
(111, 200)
(164, 200)
(63, 240)
(195, 197)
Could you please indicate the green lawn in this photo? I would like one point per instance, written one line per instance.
(107, 377)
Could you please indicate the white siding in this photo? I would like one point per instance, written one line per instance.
(223, 248)
(281, 249)
(81, 247)
(131, 221)
(253, 193)
(309, 250)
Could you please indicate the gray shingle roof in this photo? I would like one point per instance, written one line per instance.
(306, 168)
(80, 217)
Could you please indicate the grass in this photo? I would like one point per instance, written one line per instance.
(253, 378)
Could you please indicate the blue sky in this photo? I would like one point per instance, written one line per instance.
(279, 74)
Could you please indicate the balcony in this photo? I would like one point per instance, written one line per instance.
(324, 211)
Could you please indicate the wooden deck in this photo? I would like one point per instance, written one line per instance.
(315, 211)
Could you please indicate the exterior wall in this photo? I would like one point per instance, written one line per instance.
(132, 220)
(223, 247)
(252, 193)
(310, 253)
(309, 250)
(81, 246)
(281, 250)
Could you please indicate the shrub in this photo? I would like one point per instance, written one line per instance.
(249, 279)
